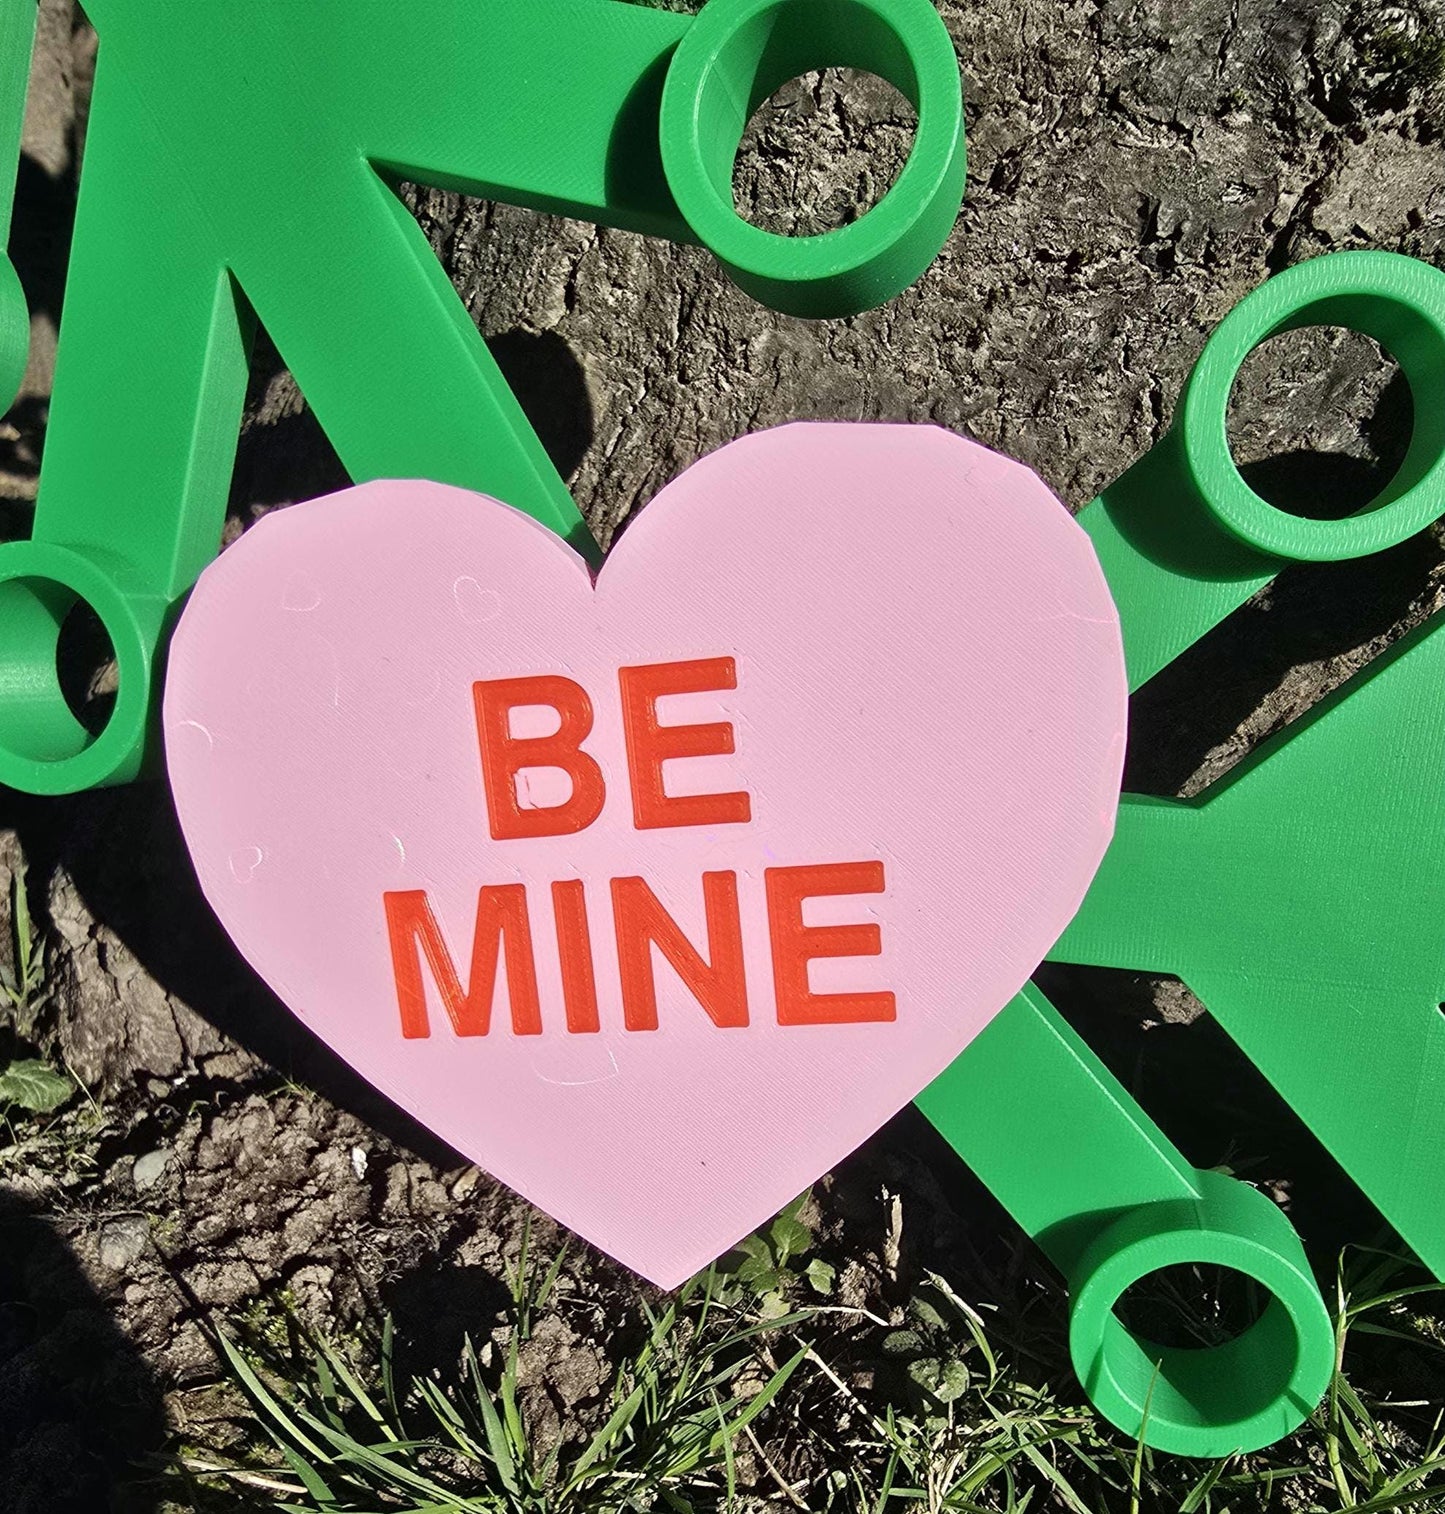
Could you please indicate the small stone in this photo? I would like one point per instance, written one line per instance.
(312, 1287)
(464, 1184)
(228, 1065)
(149, 1169)
(358, 1162)
(122, 1240)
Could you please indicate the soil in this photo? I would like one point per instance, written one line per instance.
(1136, 167)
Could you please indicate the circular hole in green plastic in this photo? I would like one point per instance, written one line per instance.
(1208, 1401)
(732, 59)
(1253, 1384)
(1397, 301)
(1191, 1306)
(75, 659)
(821, 152)
(86, 669)
(1320, 420)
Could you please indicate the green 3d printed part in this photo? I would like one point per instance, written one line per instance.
(230, 144)
(1299, 898)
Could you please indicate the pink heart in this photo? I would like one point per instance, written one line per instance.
(929, 696)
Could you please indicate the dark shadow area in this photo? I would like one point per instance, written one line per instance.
(288, 457)
(1192, 1306)
(436, 1308)
(951, 1223)
(85, 666)
(1320, 455)
(952, 1227)
(40, 236)
(1317, 485)
(279, 458)
(44, 223)
(1310, 612)
(22, 445)
(1211, 1100)
(551, 388)
(286, 460)
(78, 1404)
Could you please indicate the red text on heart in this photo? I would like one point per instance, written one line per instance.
(503, 930)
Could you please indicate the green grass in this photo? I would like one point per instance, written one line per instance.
(676, 1412)
(27, 1083)
(23, 978)
(1417, 55)
(718, 1402)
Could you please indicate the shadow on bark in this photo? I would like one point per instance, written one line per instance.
(78, 1404)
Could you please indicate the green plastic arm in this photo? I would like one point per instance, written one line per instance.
(1184, 540)
(1091, 1178)
(1301, 898)
(241, 157)
(17, 40)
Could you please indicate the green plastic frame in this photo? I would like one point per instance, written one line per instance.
(211, 177)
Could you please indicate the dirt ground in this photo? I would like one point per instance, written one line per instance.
(1135, 168)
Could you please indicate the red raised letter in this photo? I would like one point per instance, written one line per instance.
(505, 756)
(650, 744)
(640, 922)
(795, 944)
(574, 952)
(502, 925)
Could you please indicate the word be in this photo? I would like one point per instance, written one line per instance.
(506, 757)
(503, 929)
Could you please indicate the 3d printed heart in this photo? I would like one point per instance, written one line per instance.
(760, 830)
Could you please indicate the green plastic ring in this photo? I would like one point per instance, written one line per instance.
(46, 749)
(1240, 1396)
(733, 57)
(1398, 301)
